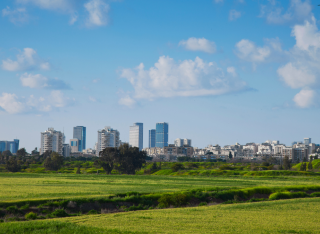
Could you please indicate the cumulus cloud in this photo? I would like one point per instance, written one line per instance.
(16, 16)
(303, 70)
(248, 51)
(13, 104)
(233, 15)
(26, 60)
(199, 44)
(41, 82)
(97, 13)
(297, 12)
(168, 78)
(305, 98)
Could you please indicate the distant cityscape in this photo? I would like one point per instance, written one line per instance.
(160, 149)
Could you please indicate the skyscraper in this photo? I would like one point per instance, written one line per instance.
(107, 137)
(80, 133)
(52, 140)
(136, 135)
(162, 130)
(182, 142)
(152, 138)
(12, 146)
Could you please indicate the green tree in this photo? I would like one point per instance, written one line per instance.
(286, 163)
(53, 162)
(6, 153)
(107, 158)
(130, 159)
(78, 170)
(126, 159)
(230, 155)
(177, 166)
(310, 165)
(21, 152)
(154, 166)
(12, 165)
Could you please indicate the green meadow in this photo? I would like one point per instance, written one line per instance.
(283, 216)
(32, 186)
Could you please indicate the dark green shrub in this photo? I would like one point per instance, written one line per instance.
(132, 208)
(92, 212)
(31, 215)
(25, 207)
(299, 194)
(316, 194)
(12, 209)
(1, 221)
(280, 195)
(165, 201)
(177, 200)
(203, 204)
(59, 213)
(177, 166)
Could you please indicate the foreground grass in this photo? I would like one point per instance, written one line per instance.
(52, 227)
(283, 216)
(24, 186)
(290, 216)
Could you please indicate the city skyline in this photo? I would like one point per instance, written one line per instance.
(236, 71)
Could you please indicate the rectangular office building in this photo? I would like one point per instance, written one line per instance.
(136, 135)
(12, 146)
(80, 133)
(162, 132)
(152, 138)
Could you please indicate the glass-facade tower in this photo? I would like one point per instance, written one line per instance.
(136, 135)
(162, 130)
(152, 138)
(80, 133)
(12, 146)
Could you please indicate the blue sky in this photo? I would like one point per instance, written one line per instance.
(219, 72)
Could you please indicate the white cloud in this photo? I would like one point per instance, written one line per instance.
(73, 19)
(297, 12)
(98, 13)
(17, 16)
(305, 98)
(218, 1)
(303, 70)
(199, 44)
(13, 104)
(307, 35)
(233, 15)
(168, 78)
(127, 101)
(39, 81)
(26, 60)
(248, 51)
(296, 78)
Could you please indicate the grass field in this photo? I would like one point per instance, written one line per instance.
(24, 186)
(286, 216)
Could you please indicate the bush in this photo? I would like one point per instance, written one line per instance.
(25, 207)
(132, 208)
(59, 213)
(316, 194)
(177, 200)
(92, 212)
(31, 215)
(12, 209)
(287, 195)
(177, 166)
(203, 204)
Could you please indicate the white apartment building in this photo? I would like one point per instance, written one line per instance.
(107, 137)
(182, 142)
(52, 140)
(136, 135)
(74, 145)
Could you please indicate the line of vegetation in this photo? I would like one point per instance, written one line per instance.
(132, 201)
